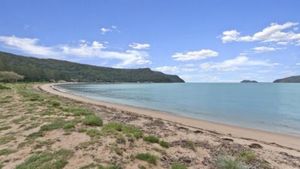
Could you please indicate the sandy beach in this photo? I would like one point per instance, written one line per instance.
(269, 138)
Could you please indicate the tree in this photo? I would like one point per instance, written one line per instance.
(6, 76)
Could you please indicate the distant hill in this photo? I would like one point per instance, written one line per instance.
(291, 79)
(249, 81)
(35, 69)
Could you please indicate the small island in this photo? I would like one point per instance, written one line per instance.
(249, 81)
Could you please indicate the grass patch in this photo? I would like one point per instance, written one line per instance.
(47, 160)
(6, 139)
(93, 120)
(35, 135)
(18, 120)
(69, 125)
(99, 166)
(55, 103)
(94, 133)
(152, 159)
(53, 126)
(151, 139)
(5, 128)
(6, 151)
(77, 111)
(3, 87)
(128, 130)
(228, 162)
(164, 144)
(178, 166)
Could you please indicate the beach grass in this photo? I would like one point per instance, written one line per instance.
(151, 159)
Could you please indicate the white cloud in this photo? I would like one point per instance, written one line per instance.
(298, 64)
(263, 49)
(27, 45)
(279, 33)
(195, 55)
(105, 30)
(139, 46)
(84, 49)
(168, 69)
(235, 64)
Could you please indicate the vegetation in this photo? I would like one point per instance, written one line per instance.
(228, 162)
(291, 79)
(6, 151)
(6, 76)
(151, 139)
(129, 130)
(47, 160)
(164, 144)
(35, 69)
(178, 166)
(152, 159)
(93, 120)
(2, 87)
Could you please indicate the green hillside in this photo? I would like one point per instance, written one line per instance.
(34, 69)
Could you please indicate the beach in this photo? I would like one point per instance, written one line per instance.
(42, 125)
(234, 131)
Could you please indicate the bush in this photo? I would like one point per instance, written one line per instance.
(6, 76)
(147, 157)
(228, 162)
(93, 120)
(164, 144)
(2, 87)
(247, 156)
(151, 139)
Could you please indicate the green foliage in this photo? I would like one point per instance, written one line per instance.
(54, 70)
(151, 139)
(6, 152)
(6, 139)
(164, 144)
(6, 76)
(2, 87)
(93, 120)
(57, 124)
(94, 133)
(129, 130)
(247, 156)
(47, 160)
(98, 166)
(228, 162)
(152, 159)
(178, 166)
(69, 125)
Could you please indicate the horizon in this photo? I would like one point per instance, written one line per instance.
(205, 41)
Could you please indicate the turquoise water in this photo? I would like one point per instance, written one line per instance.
(266, 106)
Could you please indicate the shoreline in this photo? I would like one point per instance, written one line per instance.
(265, 137)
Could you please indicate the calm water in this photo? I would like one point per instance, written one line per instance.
(266, 106)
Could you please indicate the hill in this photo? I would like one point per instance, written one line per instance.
(34, 69)
(291, 79)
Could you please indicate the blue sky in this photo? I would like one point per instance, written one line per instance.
(202, 41)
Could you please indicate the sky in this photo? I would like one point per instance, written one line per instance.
(201, 41)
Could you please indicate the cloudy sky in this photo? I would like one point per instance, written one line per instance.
(201, 41)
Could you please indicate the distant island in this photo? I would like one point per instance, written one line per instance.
(249, 81)
(37, 70)
(291, 79)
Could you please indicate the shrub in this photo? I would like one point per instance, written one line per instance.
(164, 144)
(93, 120)
(147, 157)
(247, 156)
(69, 125)
(93, 133)
(2, 87)
(228, 162)
(151, 139)
(178, 166)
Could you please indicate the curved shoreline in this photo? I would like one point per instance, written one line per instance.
(282, 140)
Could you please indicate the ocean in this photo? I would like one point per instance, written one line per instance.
(265, 106)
